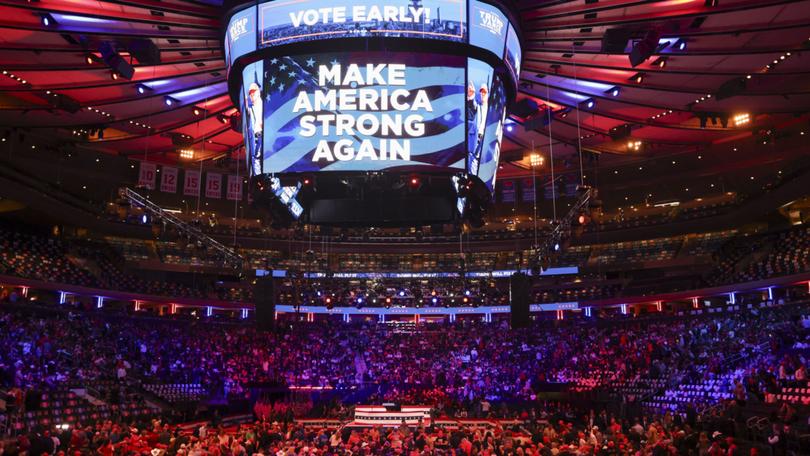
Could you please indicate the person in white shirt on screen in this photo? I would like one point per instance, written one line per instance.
(472, 122)
(255, 111)
(483, 108)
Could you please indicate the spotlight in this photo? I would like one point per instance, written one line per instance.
(556, 246)
(536, 160)
(196, 111)
(681, 44)
(169, 101)
(434, 300)
(638, 78)
(142, 89)
(90, 59)
(741, 119)
(661, 62)
(223, 118)
(509, 128)
(48, 20)
(589, 103)
(401, 293)
(114, 75)
(113, 59)
(644, 49)
(187, 154)
(615, 91)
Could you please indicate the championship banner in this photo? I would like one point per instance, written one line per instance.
(528, 188)
(168, 180)
(191, 184)
(146, 177)
(213, 185)
(508, 191)
(234, 191)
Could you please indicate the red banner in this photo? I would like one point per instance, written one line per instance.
(168, 180)
(191, 184)
(213, 185)
(146, 178)
(234, 192)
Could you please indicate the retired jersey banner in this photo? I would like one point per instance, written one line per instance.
(168, 180)
(146, 177)
(234, 191)
(191, 184)
(213, 185)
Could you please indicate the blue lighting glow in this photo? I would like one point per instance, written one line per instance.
(575, 96)
(85, 19)
(199, 93)
(587, 84)
(158, 83)
(664, 42)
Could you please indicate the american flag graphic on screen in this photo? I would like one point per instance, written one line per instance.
(441, 146)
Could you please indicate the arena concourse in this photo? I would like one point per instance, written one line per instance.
(404, 228)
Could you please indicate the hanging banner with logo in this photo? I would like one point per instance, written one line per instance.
(234, 191)
(146, 178)
(168, 180)
(191, 184)
(213, 185)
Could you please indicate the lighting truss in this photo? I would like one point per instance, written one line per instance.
(182, 227)
(562, 228)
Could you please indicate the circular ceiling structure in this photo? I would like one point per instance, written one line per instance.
(146, 79)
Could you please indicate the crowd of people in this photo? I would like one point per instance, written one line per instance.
(464, 370)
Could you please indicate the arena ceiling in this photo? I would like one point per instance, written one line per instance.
(55, 88)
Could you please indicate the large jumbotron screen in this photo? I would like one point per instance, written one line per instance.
(367, 111)
(315, 97)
